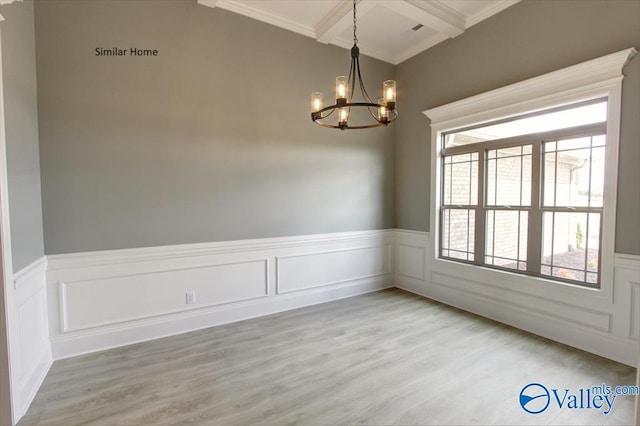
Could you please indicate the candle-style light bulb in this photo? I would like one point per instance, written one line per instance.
(343, 115)
(342, 85)
(389, 91)
(383, 112)
(316, 101)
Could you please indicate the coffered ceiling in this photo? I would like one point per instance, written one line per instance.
(389, 30)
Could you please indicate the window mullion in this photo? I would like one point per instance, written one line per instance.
(534, 245)
(479, 246)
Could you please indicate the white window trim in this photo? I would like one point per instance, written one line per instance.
(597, 78)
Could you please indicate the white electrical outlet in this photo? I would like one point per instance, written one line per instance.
(190, 297)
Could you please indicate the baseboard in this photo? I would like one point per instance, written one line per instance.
(31, 384)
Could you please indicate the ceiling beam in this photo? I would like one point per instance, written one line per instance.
(210, 3)
(489, 11)
(430, 13)
(340, 18)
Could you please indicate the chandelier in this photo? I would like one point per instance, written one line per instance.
(383, 112)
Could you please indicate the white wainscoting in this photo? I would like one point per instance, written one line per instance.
(30, 344)
(317, 269)
(601, 323)
(86, 302)
(100, 300)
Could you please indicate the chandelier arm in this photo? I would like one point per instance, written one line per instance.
(372, 114)
(327, 109)
(362, 88)
(352, 74)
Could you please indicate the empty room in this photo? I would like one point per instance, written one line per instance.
(319, 212)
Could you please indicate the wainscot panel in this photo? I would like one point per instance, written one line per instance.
(601, 323)
(30, 332)
(106, 299)
(309, 270)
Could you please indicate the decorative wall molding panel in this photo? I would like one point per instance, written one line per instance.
(411, 256)
(142, 295)
(410, 26)
(30, 332)
(564, 313)
(106, 299)
(627, 279)
(317, 269)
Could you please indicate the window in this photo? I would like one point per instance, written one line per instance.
(530, 167)
(526, 194)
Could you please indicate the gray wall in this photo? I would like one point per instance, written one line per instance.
(209, 141)
(526, 40)
(21, 122)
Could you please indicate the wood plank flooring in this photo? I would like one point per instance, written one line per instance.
(388, 357)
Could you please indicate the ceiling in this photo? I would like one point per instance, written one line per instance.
(388, 30)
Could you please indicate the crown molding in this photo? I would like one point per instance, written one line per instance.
(209, 3)
(3, 2)
(326, 30)
(451, 22)
(259, 15)
(489, 11)
(269, 18)
(589, 72)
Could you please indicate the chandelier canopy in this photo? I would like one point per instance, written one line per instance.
(383, 112)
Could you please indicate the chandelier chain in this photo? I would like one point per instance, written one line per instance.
(355, 38)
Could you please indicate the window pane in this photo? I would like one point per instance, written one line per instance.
(596, 191)
(461, 179)
(545, 121)
(576, 143)
(573, 177)
(509, 176)
(506, 239)
(568, 240)
(458, 233)
(571, 244)
(549, 175)
(592, 241)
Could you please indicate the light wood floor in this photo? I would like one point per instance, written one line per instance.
(381, 358)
